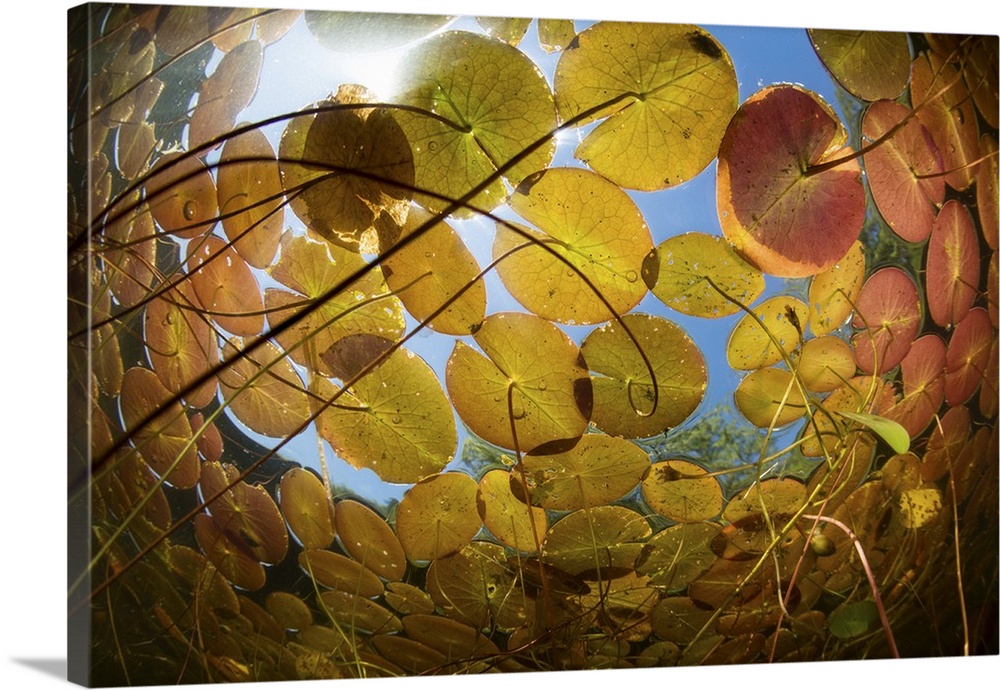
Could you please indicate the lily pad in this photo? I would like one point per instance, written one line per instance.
(166, 439)
(869, 64)
(348, 171)
(438, 516)
(369, 540)
(251, 201)
(623, 389)
(506, 513)
(597, 470)
(550, 276)
(833, 293)
(244, 511)
(952, 265)
(904, 171)
(490, 103)
(923, 384)
(434, 269)
(680, 491)
(775, 333)
(948, 114)
(768, 397)
(226, 288)
(592, 539)
(665, 93)
(226, 92)
(263, 390)
(777, 206)
(888, 312)
(549, 388)
(688, 271)
(395, 420)
(306, 508)
(968, 353)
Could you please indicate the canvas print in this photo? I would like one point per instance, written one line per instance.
(411, 344)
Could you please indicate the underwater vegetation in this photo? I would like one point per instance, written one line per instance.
(408, 383)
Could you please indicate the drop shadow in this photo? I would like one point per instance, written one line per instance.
(52, 667)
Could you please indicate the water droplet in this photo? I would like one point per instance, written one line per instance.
(190, 209)
(432, 146)
(518, 412)
(541, 385)
(396, 419)
(631, 276)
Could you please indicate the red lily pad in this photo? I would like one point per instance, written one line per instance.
(888, 312)
(778, 209)
(949, 115)
(952, 265)
(904, 172)
(923, 385)
(968, 356)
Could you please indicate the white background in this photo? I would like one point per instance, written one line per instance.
(32, 192)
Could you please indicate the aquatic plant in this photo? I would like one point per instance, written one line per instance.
(560, 491)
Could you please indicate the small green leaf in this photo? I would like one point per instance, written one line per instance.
(853, 620)
(891, 432)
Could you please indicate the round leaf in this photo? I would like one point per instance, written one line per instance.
(244, 511)
(226, 92)
(686, 272)
(779, 212)
(491, 103)
(760, 342)
(592, 539)
(306, 508)
(438, 516)
(768, 398)
(396, 420)
(607, 248)
(667, 92)
(165, 441)
(952, 265)
(432, 269)
(250, 197)
(597, 470)
(833, 292)
(370, 540)
(825, 363)
(888, 309)
(225, 286)
(319, 155)
(623, 388)
(968, 353)
(869, 64)
(181, 195)
(507, 515)
(313, 270)
(537, 365)
(264, 391)
(904, 171)
(680, 491)
(923, 384)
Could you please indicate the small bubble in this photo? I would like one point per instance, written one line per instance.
(432, 146)
(190, 209)
(396, 419)
(631, 276)
(541, 385)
